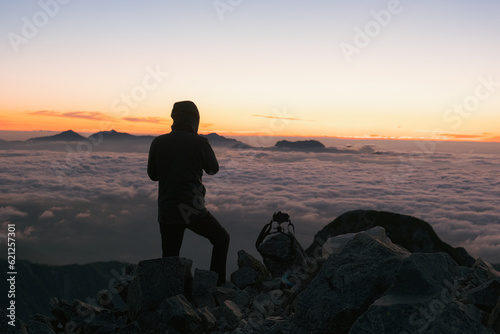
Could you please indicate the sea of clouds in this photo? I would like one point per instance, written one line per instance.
(80, 207)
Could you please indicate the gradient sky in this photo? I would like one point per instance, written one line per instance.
(254, 67)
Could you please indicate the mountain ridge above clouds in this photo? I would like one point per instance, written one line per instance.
(68, 135)
(111, 140)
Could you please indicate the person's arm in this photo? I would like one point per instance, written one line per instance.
(210, 164)
(152, 165)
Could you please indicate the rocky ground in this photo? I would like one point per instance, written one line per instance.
(361, 283)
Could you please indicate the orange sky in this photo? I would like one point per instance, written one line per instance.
(289, 75)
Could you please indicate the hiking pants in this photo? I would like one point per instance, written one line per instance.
(205, 225)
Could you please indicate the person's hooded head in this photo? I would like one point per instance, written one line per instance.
(186, 117)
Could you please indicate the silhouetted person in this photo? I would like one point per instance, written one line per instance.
(177, 160)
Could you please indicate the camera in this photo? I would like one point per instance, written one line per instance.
(281, 217)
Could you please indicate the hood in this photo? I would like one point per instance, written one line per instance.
(186, 117)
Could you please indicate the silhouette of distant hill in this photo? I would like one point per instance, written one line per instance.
(68, 135)
(301, 144)
(115, 135)
(218, 140)
(112, 141)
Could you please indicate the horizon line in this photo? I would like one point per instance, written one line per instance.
(256, 134)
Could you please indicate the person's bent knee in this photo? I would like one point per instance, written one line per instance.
(222, 239)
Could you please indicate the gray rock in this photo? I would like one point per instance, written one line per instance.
(132, 328)
(208, 319)
(202, 297)
(422, 299)
(157, 280)
(494, 318)
(147, 320)
(409, 232)
(230, 314)
(106, 319)
(222, 294)
(347, 284)
(35, 327)
(79, 313)
(205, 279)
(272, 284)
(247, 260)
(484, 271)
(486, 295)
(242, 299)
(178, 313)
(244, 277)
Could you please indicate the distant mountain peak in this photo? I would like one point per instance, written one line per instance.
(68, 135)
(301, 144)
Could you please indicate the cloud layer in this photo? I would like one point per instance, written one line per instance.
(100, 205)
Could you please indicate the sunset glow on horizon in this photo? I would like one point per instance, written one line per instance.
(379, 70)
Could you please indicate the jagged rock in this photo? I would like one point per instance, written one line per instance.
(35, 327)
(281, 254)
(422, 299)
(486, 295)
(244, 277)
(157, 280)
(77, 314)
(242, 298)
(409, 232)
(272, 284)
(205, 279)
(202, 297)
(484, 271)
(52, 323)
(334, 245)
(121, 286)
(222, 294)
(347, 284)
(230, 314)
(204, 284)
(132, 328)
(178, 313)
(247, 260)
(208, 319)
(494, 318)
(147, 320)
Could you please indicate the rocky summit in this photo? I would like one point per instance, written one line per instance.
(373, 273)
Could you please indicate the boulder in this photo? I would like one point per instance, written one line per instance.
(230, 315)
(178, 313)
(244, 277)
(408, 232)
(494, 318)
(204, 284)
(132, 328)
(485, 296)
(78, 313)
(208, 319)
(157, 280)
(35, 327)
(334, 245)
(222, 293)
(204, 279)
(247, 260)
(422, 299)
(347, 284)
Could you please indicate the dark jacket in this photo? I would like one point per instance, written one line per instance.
(177, 160)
